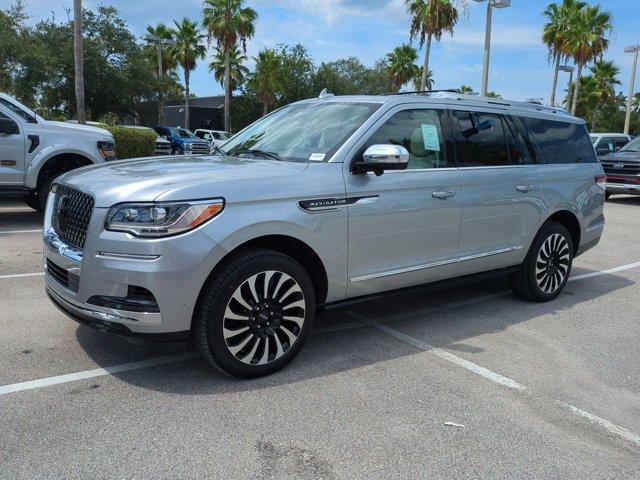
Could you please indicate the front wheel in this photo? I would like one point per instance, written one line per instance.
(256, 314)
(547, 266)
(177, 151)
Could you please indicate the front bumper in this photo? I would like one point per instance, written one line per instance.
(172, 269)
(630, 188)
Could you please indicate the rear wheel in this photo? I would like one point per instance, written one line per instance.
(547, 266)
(256, 314)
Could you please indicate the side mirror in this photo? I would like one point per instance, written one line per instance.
(8, 127)
(378, 158)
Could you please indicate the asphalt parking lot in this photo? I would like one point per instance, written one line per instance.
(468, 382)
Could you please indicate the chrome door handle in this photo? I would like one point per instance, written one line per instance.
(524, 188)
(443, 194)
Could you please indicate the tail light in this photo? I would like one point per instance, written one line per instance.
(601, 181)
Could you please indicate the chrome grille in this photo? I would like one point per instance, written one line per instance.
(199, 147)
(65, 278)
(623, 168)
(71, 214)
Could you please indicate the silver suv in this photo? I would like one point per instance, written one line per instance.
(321, 201)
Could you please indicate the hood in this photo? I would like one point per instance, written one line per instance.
(182, 178)
(622, 156)
(74, 128)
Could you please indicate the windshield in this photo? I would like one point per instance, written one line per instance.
(302, 132)
(632, 146)
(18, 111)
(182, 132)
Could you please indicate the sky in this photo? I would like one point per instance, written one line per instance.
(369, 29)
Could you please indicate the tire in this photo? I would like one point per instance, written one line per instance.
(547, 266)
(38, 198)
(177, 151)
(268, 330)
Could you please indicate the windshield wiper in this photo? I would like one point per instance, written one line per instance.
(259, 153)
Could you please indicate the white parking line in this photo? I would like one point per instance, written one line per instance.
(20, 275)
(606, 424)
(621, 268)
(11, 232)
(98, 372)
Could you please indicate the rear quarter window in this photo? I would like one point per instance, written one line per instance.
(562, 142)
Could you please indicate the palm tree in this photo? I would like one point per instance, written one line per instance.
(401, 65)
(605, 78)
(187, 50)
(493, 94)
(161, 34)
(228, 22)
(586, 41)
(467, 90)
(237, 71)
(267, 81)
(417, 81)
(430, 18)
(78, 61)
(554, 34)
(588, 98)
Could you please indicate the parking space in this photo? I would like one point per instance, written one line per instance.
(468, 382)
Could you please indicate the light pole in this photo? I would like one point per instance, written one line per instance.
(487, 41)
(567, 68)
(160, 42)
(627, 119)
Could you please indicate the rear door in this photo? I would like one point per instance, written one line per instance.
(501, 207)
(404, 226)
(12, 149)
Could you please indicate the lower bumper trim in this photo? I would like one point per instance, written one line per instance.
(623, 187)
(89, 318)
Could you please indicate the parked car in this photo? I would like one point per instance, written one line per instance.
(163, 146)
(606, 143)
(214, 137)
(183, 141)
(322, 201)
(623, 169)
(34, 151)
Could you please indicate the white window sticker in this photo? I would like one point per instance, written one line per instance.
(430, 137)
(317, 157)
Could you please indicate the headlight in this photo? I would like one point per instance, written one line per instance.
(107, 150)
(153, 220)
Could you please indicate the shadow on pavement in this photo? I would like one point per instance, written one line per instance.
(331, 352)
(16, 215)
(625, 200)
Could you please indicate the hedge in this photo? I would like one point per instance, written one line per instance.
(133, 142)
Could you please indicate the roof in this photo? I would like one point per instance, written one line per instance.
(203, 102)
(458, 99)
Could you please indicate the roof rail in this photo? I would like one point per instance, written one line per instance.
(499, 101)
(422, 92)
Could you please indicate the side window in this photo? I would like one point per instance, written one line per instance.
(420, 132)
(608, 143)
(620, 142)
(199, 134)
(480, 139)
(520, 149)
(562, 142)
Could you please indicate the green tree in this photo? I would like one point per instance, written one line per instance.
(586, 41)
(635, 102)
(554, 34)
(229, 23)
(467, 90)
(493, 95)
(187, 51)
(417, 81)
(605, 75)
(298, 83)
(430, 19)
(166, 34)
(237, 71)
(267, 81)
(401, 65)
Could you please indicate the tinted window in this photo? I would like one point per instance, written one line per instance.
(608, 143)
(620, 141)
(562, 142)
(18, 111)
(480, 139)
(420, 132)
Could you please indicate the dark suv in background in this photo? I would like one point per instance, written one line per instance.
(183, 141)
(623, 169)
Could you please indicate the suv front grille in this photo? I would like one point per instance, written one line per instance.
(626, 169)
(199, 147)
(71, 214)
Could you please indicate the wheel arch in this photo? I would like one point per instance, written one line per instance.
(570, 221)
(56, 161)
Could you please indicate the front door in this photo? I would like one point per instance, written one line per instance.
(404, 226)
(502, 206)
(11, 156)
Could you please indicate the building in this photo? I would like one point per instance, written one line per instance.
(204, 112)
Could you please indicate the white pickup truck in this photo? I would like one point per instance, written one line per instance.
(34, 151)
